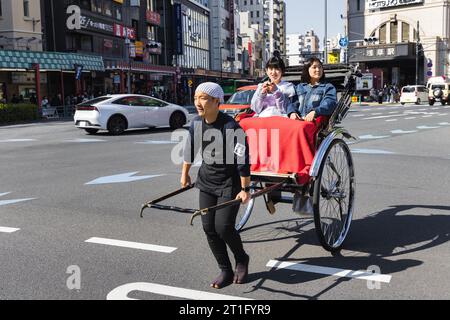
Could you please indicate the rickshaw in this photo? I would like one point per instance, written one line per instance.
(330, 191)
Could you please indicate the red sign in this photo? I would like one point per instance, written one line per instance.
(123, 32)
(153, 17)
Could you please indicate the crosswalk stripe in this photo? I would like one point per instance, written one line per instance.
(8, 230)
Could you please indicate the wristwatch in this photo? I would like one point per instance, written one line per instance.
(246, 189)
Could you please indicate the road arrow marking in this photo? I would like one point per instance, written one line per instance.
(7, 202)
(122, 178)
(340, 273)
(122, 292)
(371, 137)
(403, 132)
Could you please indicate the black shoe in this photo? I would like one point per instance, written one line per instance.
(224, 279)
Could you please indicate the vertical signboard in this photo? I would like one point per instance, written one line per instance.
(232, 33)
(178, 21)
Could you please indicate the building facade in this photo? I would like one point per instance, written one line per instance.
(300, 47)
(20, 25)
(399, 42)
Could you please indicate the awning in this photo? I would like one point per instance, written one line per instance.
(51, 61)
(140, 67)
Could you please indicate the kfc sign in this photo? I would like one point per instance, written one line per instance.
(124, 32)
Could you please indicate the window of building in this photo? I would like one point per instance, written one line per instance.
(251, 14)
(26, 8)
(96, 6)
(394, 32)
(257, 14)
(405, 32)
(358, 5)
(382, 37)
(107, 8)
(0, 8)
(117, 12)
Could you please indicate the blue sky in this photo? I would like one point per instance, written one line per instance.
(303, 15)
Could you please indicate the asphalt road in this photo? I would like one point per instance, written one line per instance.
(59, 224)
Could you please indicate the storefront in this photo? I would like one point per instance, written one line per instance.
(25, 74)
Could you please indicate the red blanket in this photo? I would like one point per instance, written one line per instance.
(281, 145)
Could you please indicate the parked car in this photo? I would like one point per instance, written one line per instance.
(239, 104)
(414, 94)
(119, 112)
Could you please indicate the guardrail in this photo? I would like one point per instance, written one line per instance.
(59, 112)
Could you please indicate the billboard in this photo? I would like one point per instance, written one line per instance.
(365, 82)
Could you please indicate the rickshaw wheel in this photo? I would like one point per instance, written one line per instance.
(244, 212)
(334, 191)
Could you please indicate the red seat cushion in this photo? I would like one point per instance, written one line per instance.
(282, 145)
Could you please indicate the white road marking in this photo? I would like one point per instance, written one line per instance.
(411, 118)
(131, 245)
(376, 114)
(8, 202)
(121, 178)
(341, 273)
(358, 115)
(371, 137)
(426, 127)
(122, 292)
(86, 140)
(371, 151)
(151, 142)
(392, 120)
(393, 112)
(426, 116)
(8, 230)
(4, 194)
(384, 117)
(403, 132)
(18, 140)
(444, 124)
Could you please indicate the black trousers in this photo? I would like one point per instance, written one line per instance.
(220, 230)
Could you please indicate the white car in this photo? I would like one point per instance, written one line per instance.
(119, 112)
(414, 94)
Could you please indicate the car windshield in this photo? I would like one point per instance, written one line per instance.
(93, 101)
(241, 97)
(438, 86)
(408, 89)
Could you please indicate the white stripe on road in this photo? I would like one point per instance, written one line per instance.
(8, 230)
(426, 116)
(18, 140)
(8, 202)
(384, 117)
(403, 132)
(392, 120)
(341, 273)
(426, 127)
(4, 194)
(86, 140)
(121, 293)
(371, 151)
(131, 245)
(411, 118)
(151, 142)
(444, 124)
(371, 137)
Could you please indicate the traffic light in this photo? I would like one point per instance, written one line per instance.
(370, 40)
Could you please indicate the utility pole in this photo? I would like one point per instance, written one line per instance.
(417, 53)
(127, 46)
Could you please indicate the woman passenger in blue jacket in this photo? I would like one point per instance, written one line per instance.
(314, 97)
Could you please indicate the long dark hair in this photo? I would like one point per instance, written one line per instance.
(276, 62)
(305, 72)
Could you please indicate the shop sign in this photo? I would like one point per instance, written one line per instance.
(94, 24)
(178, 21)
(27, 77)
(124, 32)
(139, 48)
(153, 17)
(154, 47)
(379, 4)
(365, 82)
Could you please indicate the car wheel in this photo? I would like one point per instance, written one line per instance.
(418, 101)
(91, 131)
(443, 102)
(402, 103)
(177, 120)
(430, 102)
(117, 125)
